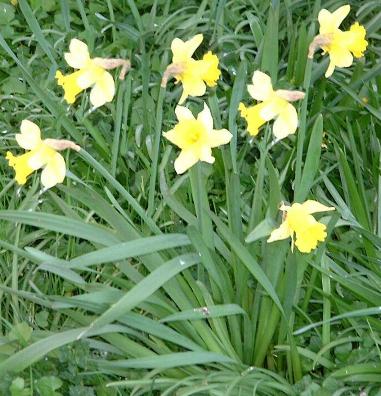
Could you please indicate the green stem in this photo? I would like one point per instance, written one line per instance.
(201, 203)
(155, 151)
(303, 124)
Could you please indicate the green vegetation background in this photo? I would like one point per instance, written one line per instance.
(173, 273)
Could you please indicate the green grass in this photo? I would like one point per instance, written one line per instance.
(130, 279)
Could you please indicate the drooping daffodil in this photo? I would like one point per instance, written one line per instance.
(194, 74)
(274, 104)
(40, 154)
(298, 221)
(195, 137)
(341, 46)
(91, 73)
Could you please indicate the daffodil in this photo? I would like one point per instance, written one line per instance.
(298, 220)
(91, 73)
(341, 46)
(40, 154)
(274, 104)
(193, 74)
(195, 137)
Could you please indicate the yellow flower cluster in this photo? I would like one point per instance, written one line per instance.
(196, 136)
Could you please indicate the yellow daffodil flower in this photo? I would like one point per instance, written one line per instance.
(193, 74)
(195, 137)
(40, 154)
(90, 73)
(299, 220)
(341, 46)
(275, 104)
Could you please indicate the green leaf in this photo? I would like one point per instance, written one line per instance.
(144, 289)
(214, 311)
(311, 164)
(166, 361)
(137, 247)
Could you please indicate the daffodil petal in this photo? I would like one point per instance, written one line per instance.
(78, 55)
(183, 50)
(269, 109)
(286, 123)
(330, 69)
(54, 172)
(340, 14)
(185, 160)
(312, 206)
(103, 90)
(206, 118)
(341, 56)
(30, 135)
(280, 233)
(261, 89)
(85, 79)
(183, 113)
(192, 87)
(174, 137)
(206, 155)
(219, 137)
(330, 22)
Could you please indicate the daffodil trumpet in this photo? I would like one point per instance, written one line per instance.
(341, 46)
(194, 75)
(90, 73)
(40, 154)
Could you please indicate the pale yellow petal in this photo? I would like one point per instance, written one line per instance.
(270, 108)
(185, 160)
(341, 56)
(85, 79)
(286, 123)
(219, 137)
(206, 118)
(54, 172)
(183, 50)
(192, 87)
(103, 91)
(340, 14)
(30, 136)
(330, 69)
(78, 55)
(312, 206)
(261, 89)
(280, 233)
(330, 22)
(206, 155)
(183, 113)
(174, 137)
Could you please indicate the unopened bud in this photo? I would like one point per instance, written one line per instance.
(61, 144)
(172, 70)
(290, 96)
(113, 63)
